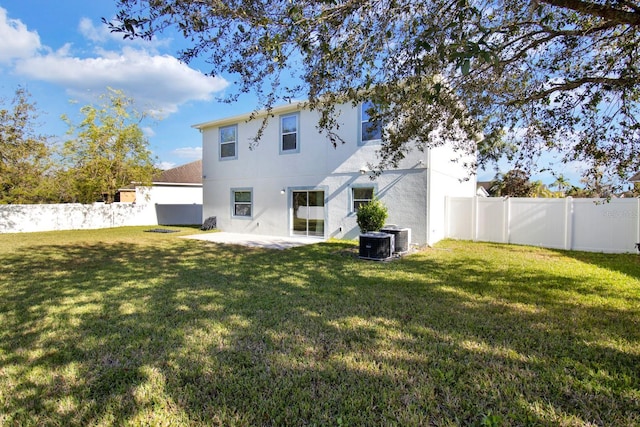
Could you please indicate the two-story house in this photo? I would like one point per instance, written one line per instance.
(295, 183)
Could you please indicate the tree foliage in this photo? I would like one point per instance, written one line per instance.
(594, 186)
(24, 155)
(561, 184)
(514, 183)
(107, 151)
(530, 77)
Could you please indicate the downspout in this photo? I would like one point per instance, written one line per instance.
(428, 196)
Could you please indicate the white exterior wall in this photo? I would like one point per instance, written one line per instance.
(317, 166)
(448, 177)
(170, 204)
(170, 194)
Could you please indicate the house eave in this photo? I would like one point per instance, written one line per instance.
(281, 109)
(176, 184)
(169, 184)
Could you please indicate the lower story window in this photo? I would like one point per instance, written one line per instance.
(242, 203)
(361, 196)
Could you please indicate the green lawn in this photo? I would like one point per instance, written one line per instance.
(122, 327)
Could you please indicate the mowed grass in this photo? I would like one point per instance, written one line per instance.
(123, 327)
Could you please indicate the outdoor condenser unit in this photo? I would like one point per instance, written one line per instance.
(376, 246)
(402, 237)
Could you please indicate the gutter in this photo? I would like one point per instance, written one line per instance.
(176, 184)
(168, 184)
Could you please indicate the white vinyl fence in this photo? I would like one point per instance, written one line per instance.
(72, 216)
(156, 206)
(573, 224)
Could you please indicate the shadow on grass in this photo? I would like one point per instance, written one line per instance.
(200, 333)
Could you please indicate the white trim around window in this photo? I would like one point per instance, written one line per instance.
(228, 142)
(360, 194)
(242, 203)
(289, 133)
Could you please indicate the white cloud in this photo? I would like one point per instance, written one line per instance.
(17, 40)
(91, 32)
(157, 82)
(165, 165)
(101, 34)
(149, 132)
(192, 153)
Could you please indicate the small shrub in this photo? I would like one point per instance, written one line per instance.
(372, 216)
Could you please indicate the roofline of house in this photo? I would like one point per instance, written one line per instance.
(286, 108)
(280, 109)
(166, 184)
(177, 184)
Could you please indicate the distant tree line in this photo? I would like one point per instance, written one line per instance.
(104, 152)
(518, 183)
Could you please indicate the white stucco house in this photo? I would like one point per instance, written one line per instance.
(295, 183)
(174, 197)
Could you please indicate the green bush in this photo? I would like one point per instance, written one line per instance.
(372, 216)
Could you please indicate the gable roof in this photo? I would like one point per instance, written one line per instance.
(635, 178)
(190, 173)
(485, 185)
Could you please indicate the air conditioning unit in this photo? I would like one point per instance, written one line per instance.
(376, 246)
(402, 237)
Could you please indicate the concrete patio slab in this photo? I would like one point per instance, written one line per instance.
(254, 240)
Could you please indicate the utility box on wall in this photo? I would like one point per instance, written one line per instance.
(377, 246)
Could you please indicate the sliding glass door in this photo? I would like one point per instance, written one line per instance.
(308, 212)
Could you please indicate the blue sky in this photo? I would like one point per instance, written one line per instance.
(60, 52)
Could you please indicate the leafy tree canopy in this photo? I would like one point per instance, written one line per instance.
(24, 155)
(514, 183)
(528, 76)
(107, 151)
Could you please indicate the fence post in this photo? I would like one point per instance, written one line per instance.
(447, 212)
(568, 223)
(474, 218)
(506, 219)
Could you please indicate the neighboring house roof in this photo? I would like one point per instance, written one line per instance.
(186, 175)
(191, 173)
(485, 184)
(635, 178)
(483, 187)
(481, 192)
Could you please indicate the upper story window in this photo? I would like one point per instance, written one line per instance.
(370, 130)
(360, 196)
(242, 202)
(228, 142)
(289, 133)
